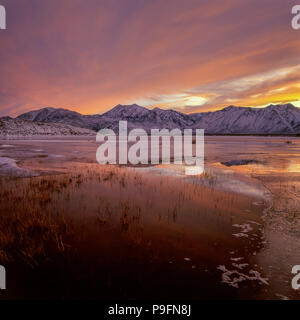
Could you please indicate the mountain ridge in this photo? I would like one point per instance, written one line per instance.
(273, 119)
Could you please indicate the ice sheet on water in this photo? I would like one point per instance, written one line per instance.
(9, 167)
(6, 146)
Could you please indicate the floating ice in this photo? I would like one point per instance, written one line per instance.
(234, 277)
(240, 235)
(281, 296)
(245, 227)
(240, 265)
(237, 259)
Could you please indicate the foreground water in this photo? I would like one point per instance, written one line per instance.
(248, 246)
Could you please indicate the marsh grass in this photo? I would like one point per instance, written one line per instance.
(29, 231)
(117, 227)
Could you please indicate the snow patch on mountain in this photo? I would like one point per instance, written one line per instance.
(15, 127)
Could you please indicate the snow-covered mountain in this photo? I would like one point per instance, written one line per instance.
(59, 115)
(140, 117)
(137, 117)
(274, 119)
(14, 127)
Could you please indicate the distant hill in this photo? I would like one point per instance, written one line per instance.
(59, 115)
(274, 119)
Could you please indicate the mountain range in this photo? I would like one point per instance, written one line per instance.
(273, 119)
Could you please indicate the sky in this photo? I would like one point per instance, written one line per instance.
(189, 55)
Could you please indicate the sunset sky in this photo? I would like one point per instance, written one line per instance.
(191, 55)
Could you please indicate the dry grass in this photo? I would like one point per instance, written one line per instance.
(112, 213)
(36, 217)
(29, 231)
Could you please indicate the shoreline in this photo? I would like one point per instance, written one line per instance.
(82, 137)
